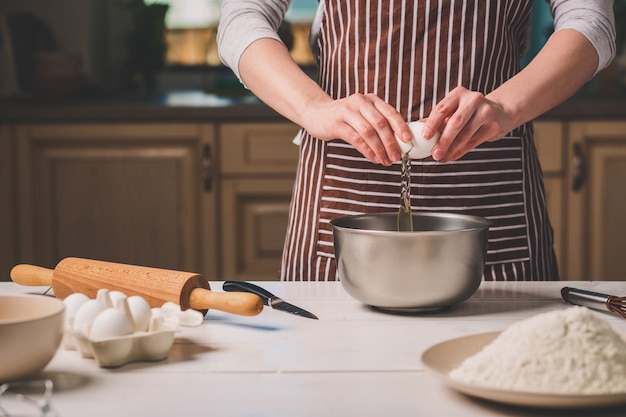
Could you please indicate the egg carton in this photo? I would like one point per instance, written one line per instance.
(115, 329)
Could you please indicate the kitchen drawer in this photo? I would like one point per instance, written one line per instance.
(258, 148)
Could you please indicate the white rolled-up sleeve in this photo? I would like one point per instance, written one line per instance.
(592, 18)
(245, 21)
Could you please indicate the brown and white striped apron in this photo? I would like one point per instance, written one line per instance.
(412, 53)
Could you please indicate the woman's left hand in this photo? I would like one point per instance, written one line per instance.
(465, 119)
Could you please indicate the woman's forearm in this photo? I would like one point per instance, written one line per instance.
(566, 62)
(363, 120)
(467, 118)
(268, 70)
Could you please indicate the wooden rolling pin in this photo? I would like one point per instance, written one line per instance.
(157, 286)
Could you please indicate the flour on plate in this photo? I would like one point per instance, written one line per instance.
(567, 351)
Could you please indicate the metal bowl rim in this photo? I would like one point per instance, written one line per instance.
(486, 223)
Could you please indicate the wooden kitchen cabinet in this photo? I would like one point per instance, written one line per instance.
(257, 165)
(584, 166)
(130, 193)
(198, 197)
(214, 198)
(257, 169)
(596, 199)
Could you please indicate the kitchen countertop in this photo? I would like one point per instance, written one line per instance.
(176, 106)
(353, 361)
(197, 106)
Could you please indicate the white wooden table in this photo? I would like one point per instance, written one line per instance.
(353, 361)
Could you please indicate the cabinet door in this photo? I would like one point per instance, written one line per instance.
(129, 193)
(549, 142)
(258, 166)
(254, 223)
(596, 200)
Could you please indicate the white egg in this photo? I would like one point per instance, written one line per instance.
(140, 311)
(73, 303)
(86, 315)
(111, 322)
(419, 148)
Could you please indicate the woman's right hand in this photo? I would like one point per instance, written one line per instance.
(364, 120)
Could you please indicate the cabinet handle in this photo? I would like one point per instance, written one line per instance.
(579, 168)
(207, 168)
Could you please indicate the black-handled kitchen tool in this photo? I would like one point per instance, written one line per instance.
(268, 298)
(595, 300)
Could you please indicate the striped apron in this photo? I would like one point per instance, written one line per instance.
(411, 53)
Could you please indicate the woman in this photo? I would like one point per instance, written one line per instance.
(455, 63)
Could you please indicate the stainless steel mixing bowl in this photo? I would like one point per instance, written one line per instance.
(437, 265)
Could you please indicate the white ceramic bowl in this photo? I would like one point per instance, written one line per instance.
(31, 330)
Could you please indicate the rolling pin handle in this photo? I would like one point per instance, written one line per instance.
(241, 303)
(31, 275)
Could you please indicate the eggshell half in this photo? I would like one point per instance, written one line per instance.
(419, 148)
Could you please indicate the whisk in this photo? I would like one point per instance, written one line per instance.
(595, 300)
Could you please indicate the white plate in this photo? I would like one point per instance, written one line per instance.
(443, 357)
